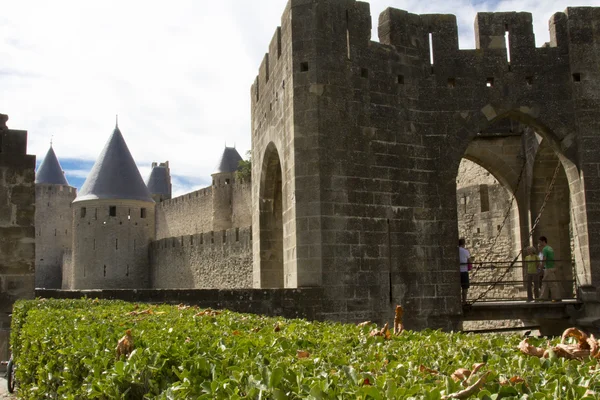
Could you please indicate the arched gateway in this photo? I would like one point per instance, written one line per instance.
(369, 136)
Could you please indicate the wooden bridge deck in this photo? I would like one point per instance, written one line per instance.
(520, 309)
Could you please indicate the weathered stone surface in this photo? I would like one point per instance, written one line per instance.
(212, 260)
(367, 131)
(17, 207)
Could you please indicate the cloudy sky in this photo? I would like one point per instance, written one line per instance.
(177, 73)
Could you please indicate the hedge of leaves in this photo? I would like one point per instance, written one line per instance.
(66, 349)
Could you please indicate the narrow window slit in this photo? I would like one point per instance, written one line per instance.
(303, 66)
(507, 43)
(348, 34)
(451, 82)
(431, 48)
(489, 82)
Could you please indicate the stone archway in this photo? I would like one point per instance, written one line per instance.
(271, 220)
(557, 148)
(555, 221)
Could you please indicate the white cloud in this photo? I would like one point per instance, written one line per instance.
(178, 74)
(77, 173)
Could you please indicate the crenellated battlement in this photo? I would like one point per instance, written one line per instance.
(505, 41)
(226, 237)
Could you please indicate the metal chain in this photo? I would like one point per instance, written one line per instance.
(537, 220)
(504, 221)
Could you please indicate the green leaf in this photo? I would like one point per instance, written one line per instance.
(276, 377)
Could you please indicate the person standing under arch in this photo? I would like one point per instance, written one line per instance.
(550, 284)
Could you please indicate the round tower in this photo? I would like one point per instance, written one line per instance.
(222, 182)
(113, 223)
(159, 182)
(53, 221)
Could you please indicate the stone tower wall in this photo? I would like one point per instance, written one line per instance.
(111, 251)
(222, 191)
(53, 232)
(17, 225)
(370, 137)
(211, 260)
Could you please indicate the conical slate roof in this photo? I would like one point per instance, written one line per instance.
(229, 161)
(50, 171)
(159, 182)
(114, 175)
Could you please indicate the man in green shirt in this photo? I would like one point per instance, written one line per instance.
(550, 284)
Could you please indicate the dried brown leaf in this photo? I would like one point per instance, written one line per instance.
(398, 327)
(530, 349)
(469, 391)
(579, 335)
(423, 368)
(460, 374)
(302, 354)
(125, 345)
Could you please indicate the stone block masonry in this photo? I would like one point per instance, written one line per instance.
(54, 235)
(198, 211)
(17, 227)
(210, 260)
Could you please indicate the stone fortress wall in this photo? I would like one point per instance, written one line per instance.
(357, 144)
(53, 232)
(368, 136)
(203, 238)
(211, 260)
(17, 229)
(194, 212)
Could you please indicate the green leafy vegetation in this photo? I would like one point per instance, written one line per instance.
(244, 171)
(67, 349)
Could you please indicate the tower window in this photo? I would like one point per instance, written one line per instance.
(83, 211)
(227, 181)
(484, 198)
(143, 213)
(112, 211)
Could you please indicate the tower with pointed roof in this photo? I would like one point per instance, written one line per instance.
(53, 228)
(159, 182)
(113, 220)
(223, 180)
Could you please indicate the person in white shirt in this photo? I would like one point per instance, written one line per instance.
(465, 259)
